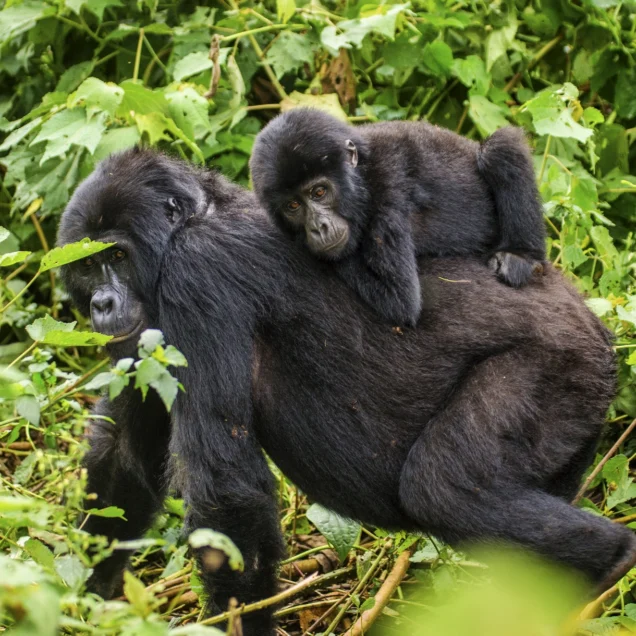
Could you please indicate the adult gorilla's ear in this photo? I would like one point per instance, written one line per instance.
(352, 151)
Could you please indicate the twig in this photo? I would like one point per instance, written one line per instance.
(603, 461)
(592, 610)
(310, 581)
(383, 596)
(363, 581)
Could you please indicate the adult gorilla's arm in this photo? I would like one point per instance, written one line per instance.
(225, 480)
(125, 464)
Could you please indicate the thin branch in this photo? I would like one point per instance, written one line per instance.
(604, 461)
(310, 581)
(383, 596)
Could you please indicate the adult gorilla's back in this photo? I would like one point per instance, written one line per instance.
(477, 425)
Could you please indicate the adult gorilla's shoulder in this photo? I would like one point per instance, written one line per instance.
(476, 425)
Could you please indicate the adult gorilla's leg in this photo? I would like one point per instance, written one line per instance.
(228, 487)
(125, 464)
(472, 476)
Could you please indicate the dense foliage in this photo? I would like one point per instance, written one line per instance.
(80, 79)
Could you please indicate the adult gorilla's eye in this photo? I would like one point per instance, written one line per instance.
(293, 206)
(118, 255)
(88, 262)
(318, 192)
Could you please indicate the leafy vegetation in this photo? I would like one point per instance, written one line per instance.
(80, 79)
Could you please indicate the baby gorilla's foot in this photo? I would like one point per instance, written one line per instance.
(514, 270)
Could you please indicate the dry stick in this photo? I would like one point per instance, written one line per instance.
(310, 581)
(383, 595)
(603, 461)
(363, 581)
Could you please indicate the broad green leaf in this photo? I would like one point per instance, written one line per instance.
(97, 96)
(206, 538)
(4, 234)
(100, 381)
(603, 242)
(76, 339)
(138, 597)
(174, 357)
(12, 258)
(139, 100)
(189, 110)
(149, 340)
(341, 533)
(551, 115)
(19, 18)
(28, 407)
(71, 570)
(472, 72)
(498, 43)
(620, 485)
(488, 117)
(627, 315)
(438, 57)
(39, 328)
(599, 306)
(290, 52)
(625, 97)
(191, 64)
(20, 133)
(41, 554)
(94, 6)
(71, 252)
(69, 128)
(285, 9)
(115, 140)
(329, 103)
(379, 19)
(236, 82)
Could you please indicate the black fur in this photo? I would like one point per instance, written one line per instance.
(417, 190)
(476, 426)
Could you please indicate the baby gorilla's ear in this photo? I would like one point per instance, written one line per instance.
(353, 152)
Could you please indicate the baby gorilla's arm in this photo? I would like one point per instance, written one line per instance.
(384, 270)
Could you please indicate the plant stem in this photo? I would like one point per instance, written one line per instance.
(263, 29)
(603, 461)
(545, 159)
(363, 581)
(24, 353)
(138, 55)
(20, 293)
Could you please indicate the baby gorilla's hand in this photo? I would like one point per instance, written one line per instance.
(514, 270)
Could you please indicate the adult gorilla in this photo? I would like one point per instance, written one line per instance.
(476, 425)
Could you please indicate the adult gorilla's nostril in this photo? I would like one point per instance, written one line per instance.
(102, 303)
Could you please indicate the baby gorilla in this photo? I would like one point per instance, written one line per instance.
(372, 198)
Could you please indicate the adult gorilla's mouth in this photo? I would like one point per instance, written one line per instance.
(126, 336)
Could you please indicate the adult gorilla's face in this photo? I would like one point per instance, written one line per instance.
(117, 287)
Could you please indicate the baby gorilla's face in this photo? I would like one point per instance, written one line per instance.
(314, 209)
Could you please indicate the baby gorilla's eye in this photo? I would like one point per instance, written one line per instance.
(318, 192)
(118, 255)
(293, 206)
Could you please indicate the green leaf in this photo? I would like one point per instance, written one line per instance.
(472, 72)
(69, 128)
(12, 258)
(111, 512)
(599, 306)
(139, 100)
(551, 115)
(39, 328)
(341, 533)
(290, 52)
(329, 103)
(498, 43)
(603, 242)
(19, 18)
(206, 538)
(174, 357)
(97, 96)
(71, 252)
(191, 64)
(4, 234)
(625, 97)
(487, 116)
(285, 9)
(438, 57)
(76, 339)
(189, 110)
(41, 554)
(138, 597)
(149, 340)
(627, 315)
(236, 82)
(28, 407)
(115, 140)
